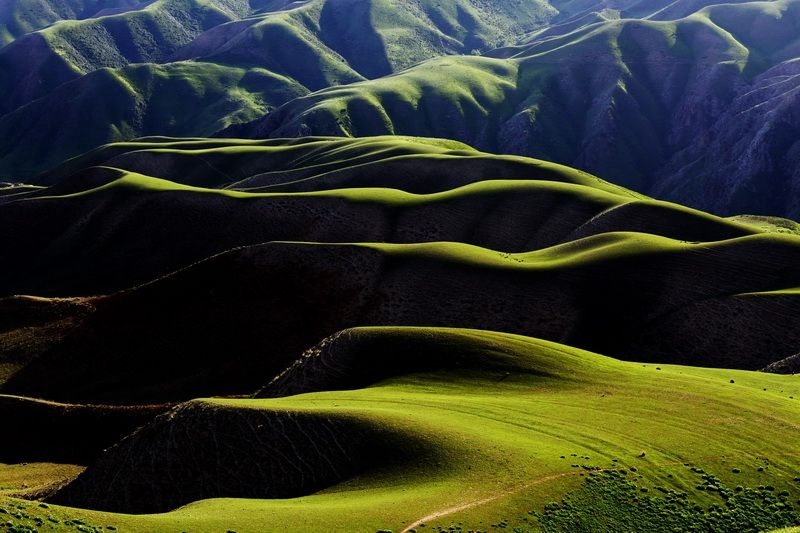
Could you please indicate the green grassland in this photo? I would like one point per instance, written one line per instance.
(214, 195)
(25, 16)
(134, 101)
(495, 445)
(627, 118)
(511, 77)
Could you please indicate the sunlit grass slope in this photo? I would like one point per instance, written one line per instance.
(25, 16)
(517, 424)
(213, 195)
(186, 98)
(619, 98)
(632, 295)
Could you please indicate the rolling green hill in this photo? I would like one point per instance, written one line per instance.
(475, 240)
(104, 208)
(277, 265)
(692, 102)
(493, 432)
(654, 88)
(19, 17)
(334, 334)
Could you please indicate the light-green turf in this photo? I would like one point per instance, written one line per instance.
(501, 438)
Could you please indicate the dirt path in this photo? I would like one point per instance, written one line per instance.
(475, 503)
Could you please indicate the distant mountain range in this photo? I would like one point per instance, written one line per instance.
(686, 101)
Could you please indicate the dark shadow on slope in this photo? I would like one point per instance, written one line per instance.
(356, 358)
(227, 324)
(204, 450)
(39, 431)
(346, 26)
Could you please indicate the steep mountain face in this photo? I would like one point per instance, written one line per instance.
(697, 110)
(690, 101)
(133, 101)
(748, 160)
(245, 60)
(35, 64)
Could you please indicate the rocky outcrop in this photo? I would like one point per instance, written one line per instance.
(790, 365)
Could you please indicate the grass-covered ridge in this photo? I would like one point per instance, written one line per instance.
(285, 49)
(494, 446)
(672, 105)
(213, 195)
(633, 117)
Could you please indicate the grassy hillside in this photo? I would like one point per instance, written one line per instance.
(654, 89)
(134, 101)
(530, 435)
(634, 296)
(18, 17)
(215, 195)
(37, 63)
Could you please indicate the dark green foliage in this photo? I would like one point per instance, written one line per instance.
(609, 502)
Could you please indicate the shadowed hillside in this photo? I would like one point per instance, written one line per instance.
(545, 251)
(408, 440)
(330, 334)
(663, 109)
(319, 190)
(617, 292)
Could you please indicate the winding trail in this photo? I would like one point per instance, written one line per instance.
(475, 503)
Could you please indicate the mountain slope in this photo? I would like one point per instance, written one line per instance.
(373, 38)
(134, 101)
(692, 102)
(654, 89)
(18, 17)
(300, 47)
